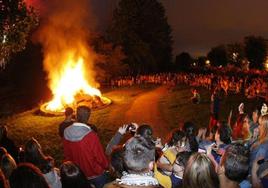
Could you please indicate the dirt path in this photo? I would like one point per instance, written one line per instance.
(145, 109)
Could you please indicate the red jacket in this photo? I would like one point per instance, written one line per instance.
(82, 146)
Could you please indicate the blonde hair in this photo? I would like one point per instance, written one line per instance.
(200, 172)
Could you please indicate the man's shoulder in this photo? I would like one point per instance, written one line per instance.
(115, 184)
(66, 123)
(63, 125)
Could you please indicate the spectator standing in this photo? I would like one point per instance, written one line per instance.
(214, 109)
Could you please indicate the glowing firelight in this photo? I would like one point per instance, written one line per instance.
(70, 83)
(266, 66)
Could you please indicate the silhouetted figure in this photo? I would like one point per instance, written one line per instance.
(214, 109)
(26, 175)
(34, 155)
(69, 113)
(7, 143)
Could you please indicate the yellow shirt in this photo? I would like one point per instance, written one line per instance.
(171, 157)
(163, 180)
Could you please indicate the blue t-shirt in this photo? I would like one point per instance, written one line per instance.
(260, 152)
(245, 184)
(216, 156)
(264, 182)
(176, 181)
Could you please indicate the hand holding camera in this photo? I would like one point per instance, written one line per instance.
(209, 148)
(132, 127)
(122, 130)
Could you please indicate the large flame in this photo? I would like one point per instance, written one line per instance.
(68, 84)
(68, 58)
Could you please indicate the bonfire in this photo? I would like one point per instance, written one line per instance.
(71, 89)
(69, 60)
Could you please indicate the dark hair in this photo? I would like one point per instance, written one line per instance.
(236, 162)
(138, 153)
(72, 176)
(8, 164)
(27, 175)
(145, 131)
(256, 110)
(175, 136)
(225, 133)
(117, 161)
(34, 155)
(3, 180)
(3, 151)
(189, 128)
(68, 111)
(193, 143)
(83, 114)
(183, 157)
(3, 132)
(212, 131)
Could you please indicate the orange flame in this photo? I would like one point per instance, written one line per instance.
(68, 84)
(68, 58)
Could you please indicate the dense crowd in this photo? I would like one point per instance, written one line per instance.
(221, 155)
(249, 86)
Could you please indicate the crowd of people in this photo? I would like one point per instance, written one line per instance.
(221, 155)
(249, 86)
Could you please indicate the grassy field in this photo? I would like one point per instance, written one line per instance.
(176, 108)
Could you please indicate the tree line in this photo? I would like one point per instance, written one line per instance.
(249, 54)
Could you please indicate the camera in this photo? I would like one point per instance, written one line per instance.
(261, 161)
(131, 128)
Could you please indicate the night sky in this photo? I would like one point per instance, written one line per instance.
(199, 25)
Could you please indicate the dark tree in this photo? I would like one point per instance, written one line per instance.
(218, 56)
(17, 21)
(110, 59)
(235, 54)
(255, 51)
(141, 28)
(183, 61)
(201, 61)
